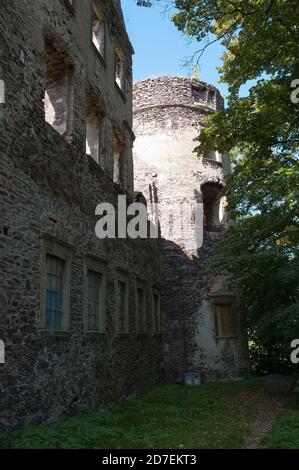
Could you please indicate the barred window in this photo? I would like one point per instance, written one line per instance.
(122, 311)
(54, 293)
(156, 312)
(95, 293)
(140, 311)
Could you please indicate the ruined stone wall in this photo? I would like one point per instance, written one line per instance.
(167, 115)
(50, 188)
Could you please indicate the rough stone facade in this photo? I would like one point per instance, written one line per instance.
(49, 191)
(203, 323)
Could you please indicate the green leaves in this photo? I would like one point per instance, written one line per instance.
(261, 131)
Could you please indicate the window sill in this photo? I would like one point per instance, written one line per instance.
(218, 229)
(212, 162)
(98, 54)
(95, 333)
(226, 337)
(122, 335)
(55, 333)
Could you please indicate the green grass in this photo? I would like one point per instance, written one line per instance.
(214, 415)
(285, 430)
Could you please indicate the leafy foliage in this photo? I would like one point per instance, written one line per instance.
(261, 131)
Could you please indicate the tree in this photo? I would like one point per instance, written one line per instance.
(261, 131)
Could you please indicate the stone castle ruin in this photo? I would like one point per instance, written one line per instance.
(203, 325)
(86, 321)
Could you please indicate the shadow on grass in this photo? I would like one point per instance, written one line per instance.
(213, 415)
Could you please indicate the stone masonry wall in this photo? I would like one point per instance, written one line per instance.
(167, 111)
(49, 187)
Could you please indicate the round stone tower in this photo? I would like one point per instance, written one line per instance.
(203, 328)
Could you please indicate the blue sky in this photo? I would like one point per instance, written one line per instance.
(160, 49)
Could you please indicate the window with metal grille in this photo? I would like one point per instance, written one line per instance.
(95, 314)
(140, 310)
(224, 320)
(54, 293)
(122, 307)
(156, 313)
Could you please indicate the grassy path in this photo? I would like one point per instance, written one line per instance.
(270, 401)
(216, 415)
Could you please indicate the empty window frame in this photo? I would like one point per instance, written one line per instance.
(212, 155)
(211, 206)
(94, 126)
(118, 155)
(55, 284)
(2, 95)
(224, 318)
(98, 30)
(58, 100)
(122, 310)
(119, 69)
(156, 312)
(140, 309)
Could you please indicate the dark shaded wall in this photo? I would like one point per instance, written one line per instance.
(50, 188)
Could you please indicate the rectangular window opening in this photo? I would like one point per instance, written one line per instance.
(2, 96)
(122, 311)
(98, 30)
(224, 320)
(119, 69)
(95, 298)
(118, 153)
(94, 127)
(58, 90)
(156, 313)
(140, 311)
(55, 293)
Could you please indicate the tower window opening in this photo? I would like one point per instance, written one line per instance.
(58, 90)
(211, 206)
(212, 155)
